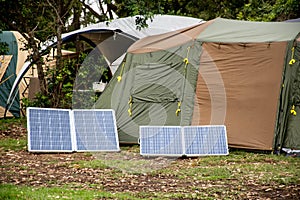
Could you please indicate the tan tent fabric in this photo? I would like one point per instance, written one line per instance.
(22, 56)
(251, 95)
(168, 40)
(5, 60)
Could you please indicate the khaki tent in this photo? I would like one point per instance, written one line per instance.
(242, 74)
(10, 66)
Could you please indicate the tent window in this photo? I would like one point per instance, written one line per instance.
(157, 82)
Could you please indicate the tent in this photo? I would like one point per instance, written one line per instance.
(243, 74)
(112, 39)
(10, 66)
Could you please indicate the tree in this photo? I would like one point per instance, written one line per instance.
(35, 20)
(42, 20)
(39, 21)
(258, 10)
(275, 10)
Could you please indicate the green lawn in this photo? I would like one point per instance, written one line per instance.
(126, 175)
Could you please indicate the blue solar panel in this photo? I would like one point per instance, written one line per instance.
(49, 130)
(187, 140)
(205, 140)
(96, 130)
(161, 140)
(64, 130)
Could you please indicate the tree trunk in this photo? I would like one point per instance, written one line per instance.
(59, 61)
(37, 59)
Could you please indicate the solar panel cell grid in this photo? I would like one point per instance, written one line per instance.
(206, 140)
(160, 141)
(95, 130)
(55, 127)
(63, 130)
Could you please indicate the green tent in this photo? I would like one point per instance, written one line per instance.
(242, 74)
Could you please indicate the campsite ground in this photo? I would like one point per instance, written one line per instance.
(240, 175)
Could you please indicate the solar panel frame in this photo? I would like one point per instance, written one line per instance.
(56, 129)
(100, 129)
(165, 149)
(210, 141)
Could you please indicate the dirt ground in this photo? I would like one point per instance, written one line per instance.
(50, 170)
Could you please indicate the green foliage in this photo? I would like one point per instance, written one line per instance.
(92, 69)
(60, 80)
(75, 75)
(276, 10)
(256, 10)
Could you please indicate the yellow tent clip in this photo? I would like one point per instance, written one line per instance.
(292, 61)
(178, 108)
(186, 61)
(293, 112)
(130, 106)
(119, 78)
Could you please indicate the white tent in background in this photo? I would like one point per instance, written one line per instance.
(113, 38)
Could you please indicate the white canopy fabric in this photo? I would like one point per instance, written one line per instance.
(160, 24)
(113, 38)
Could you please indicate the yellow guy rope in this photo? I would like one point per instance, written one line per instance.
(122, 69)
(186, 62)
(130, 106)
(292, 61)
(293, 111)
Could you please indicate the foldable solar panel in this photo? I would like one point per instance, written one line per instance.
(63, 130)
(96, 130)
(180, 141)
(49, 130)
(161, 140)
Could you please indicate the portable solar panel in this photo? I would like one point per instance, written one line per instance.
(49, 130)
(161, 141)
(205, 140)
(96, 130)
(64, 130)
(183, 141)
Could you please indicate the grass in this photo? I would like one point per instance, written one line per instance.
(9, 144)
(217, 177)
(12, 192)
(6, 124)
(240, 165)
